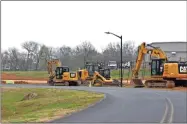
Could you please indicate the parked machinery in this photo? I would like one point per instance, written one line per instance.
(164, 73)
(62, 75)
(96, 74)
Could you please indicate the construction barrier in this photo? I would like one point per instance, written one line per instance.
(90, 84)
(9, 82)
(13, 82)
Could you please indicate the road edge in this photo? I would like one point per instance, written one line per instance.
(80, 110)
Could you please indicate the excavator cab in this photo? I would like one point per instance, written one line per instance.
(157, 67)
(105, 73)
(91, 69)
(60, 70)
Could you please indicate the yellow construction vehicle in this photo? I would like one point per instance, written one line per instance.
(62, 75)
(96, 74)
(164, 73)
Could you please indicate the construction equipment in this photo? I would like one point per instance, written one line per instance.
(164, 73)
(62, 75)
(96, 74)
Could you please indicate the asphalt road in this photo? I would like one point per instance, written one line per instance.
(129, 105)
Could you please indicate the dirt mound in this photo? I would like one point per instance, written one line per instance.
(3, 82)
(20, 82)
(30, 96)
(26, 82)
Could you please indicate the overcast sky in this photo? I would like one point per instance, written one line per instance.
(57, 23)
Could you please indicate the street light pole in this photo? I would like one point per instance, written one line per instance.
(121, 53)
(121, 61)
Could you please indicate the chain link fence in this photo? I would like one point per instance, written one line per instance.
(144, 72)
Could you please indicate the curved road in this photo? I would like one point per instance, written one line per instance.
(129, 105)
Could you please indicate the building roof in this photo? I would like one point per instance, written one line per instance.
(168, 42)
(177, 46)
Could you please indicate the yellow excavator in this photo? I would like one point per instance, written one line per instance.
(96, 74)
(62, 75)
(164, 73)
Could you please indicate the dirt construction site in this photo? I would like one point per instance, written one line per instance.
(93, 62)
(22, 80)
(13, 78)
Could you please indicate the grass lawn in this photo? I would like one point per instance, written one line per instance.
(127, 73)
(44, 75)
(49, 103)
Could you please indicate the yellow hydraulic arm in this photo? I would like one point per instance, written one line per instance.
(96, 74)
(142, 50)
(50, 66)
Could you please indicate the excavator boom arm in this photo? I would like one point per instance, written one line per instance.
(50, 66)
(142, 50)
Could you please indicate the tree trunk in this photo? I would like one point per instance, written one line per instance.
(37, 63)
(27, 63)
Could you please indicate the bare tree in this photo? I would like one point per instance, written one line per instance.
(65, 54)
(43, 57)
(22, 61)
(13, 55)
(83, 52)
(128, 50)
(112, 51)
(5, 59)
(30, 47)
(36, 55)
(11, 59)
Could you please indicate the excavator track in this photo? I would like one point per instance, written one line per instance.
(159, 83)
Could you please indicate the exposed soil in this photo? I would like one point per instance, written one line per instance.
(31, 80)
(3, 82)
(20, 82)
(5, 76)
(26, 82)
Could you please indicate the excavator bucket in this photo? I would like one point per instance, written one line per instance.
(116, 82)
(137, 83)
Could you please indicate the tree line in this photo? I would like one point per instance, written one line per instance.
(35, 55)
